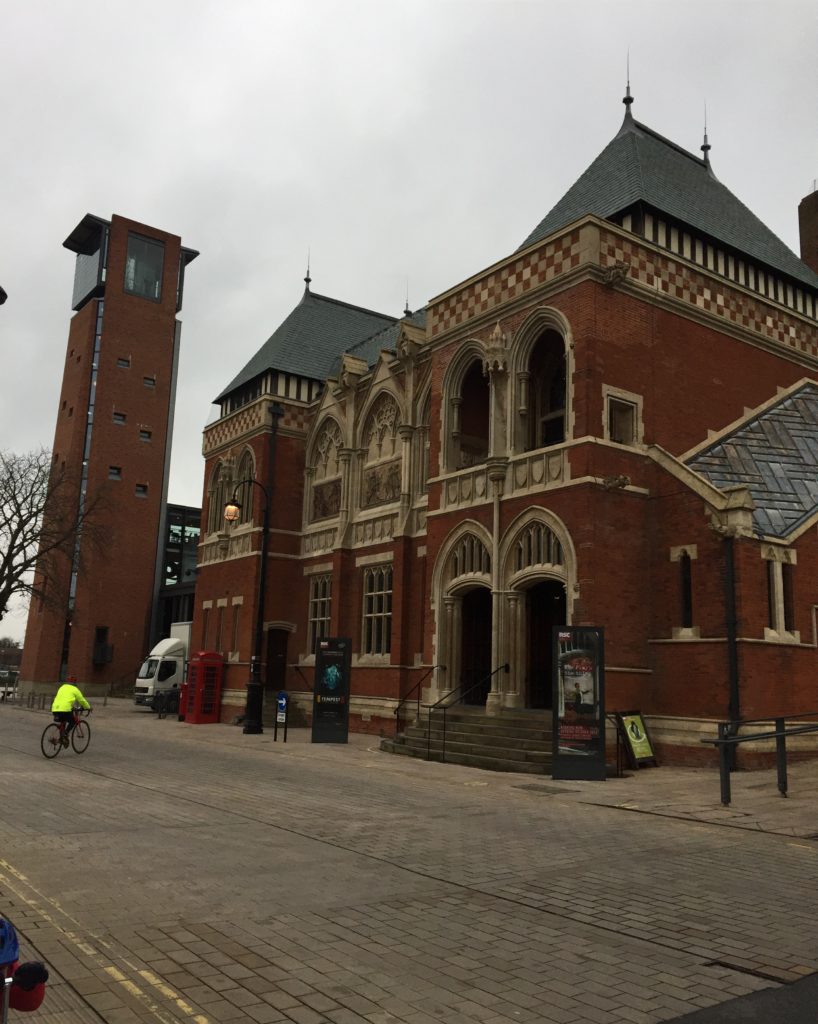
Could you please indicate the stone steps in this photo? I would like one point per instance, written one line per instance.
(507, 742)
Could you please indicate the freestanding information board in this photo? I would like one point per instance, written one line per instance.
(330, 705)
(579, 703)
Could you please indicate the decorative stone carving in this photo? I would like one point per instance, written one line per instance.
(612, 275)
(381, 484)
(326, 499)
(496, 357)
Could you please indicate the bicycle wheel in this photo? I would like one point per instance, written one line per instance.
(80, 736)
(51, 741)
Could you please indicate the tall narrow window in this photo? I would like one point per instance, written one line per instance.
(234, 633)
(786, 582)
(772, 573)
(470, 414)
(780, 597)
(377, 610)
(320, 608)
(219, 627)
(544, 405)
(205, 626)
(685, 572)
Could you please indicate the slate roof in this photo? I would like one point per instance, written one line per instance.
(384, 341)
(775, 455)
(311, 338)
(639, 165)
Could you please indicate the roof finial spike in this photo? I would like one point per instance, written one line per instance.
(308, 279)
(406, 310)
(706, 145)
(627, 98)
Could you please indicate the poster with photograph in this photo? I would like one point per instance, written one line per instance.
(579, 706)
(634, 732)
(330, 709)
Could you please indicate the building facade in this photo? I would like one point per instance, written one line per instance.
(112, 452)
(616, 425)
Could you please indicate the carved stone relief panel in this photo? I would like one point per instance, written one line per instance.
(381, 484)
(326, 499)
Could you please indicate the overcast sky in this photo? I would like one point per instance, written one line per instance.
(398, 141)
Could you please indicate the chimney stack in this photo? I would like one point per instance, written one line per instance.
(808, 229)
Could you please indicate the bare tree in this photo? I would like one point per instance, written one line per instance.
(41, 524)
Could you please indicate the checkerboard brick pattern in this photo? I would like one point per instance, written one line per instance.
(679, 280)
(296, 419)
(505, 283)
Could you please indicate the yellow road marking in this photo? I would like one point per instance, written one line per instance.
(93, 954)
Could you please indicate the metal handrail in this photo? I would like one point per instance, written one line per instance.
(728, 740)
(415, 689)
(445, 707)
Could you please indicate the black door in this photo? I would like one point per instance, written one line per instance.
(475, 653)
(545, 608)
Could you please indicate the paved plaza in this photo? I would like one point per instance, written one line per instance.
(179, 874)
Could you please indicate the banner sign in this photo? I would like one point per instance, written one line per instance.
(579, 703)
(330, 706)
(633, 730)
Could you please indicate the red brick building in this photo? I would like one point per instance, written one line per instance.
(616, 425)
(112, 442)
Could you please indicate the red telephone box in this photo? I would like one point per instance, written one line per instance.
(203, 699)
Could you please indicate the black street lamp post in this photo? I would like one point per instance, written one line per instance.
(232, 513)
(255, 693)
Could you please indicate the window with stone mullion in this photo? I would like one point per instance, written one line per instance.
(377, 611)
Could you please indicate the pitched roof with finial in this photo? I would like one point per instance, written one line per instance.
(640, 166)
(311, 338)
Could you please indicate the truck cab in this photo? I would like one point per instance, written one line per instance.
(163, 669)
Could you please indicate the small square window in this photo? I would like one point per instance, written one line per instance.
(149, 382)
(145, 435)
(123, 362)
(119, 417)
(621, 421)
(115, 472)
(141, 490)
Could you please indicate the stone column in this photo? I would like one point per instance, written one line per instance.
(514, 696)
(405, 432)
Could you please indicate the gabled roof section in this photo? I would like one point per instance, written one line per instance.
(639, 165)
(774, 454)
(383, 341)
(311, 338)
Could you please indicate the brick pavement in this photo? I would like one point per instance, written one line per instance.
(352, 886)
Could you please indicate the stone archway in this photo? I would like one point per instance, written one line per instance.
(538, 567)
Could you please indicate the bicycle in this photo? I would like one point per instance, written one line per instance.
(53, 739)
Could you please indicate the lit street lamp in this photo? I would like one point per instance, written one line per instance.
(255, 693)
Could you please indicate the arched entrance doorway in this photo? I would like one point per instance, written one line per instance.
(545, 608)
(475, 645)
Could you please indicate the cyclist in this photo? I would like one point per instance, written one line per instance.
(62, 706)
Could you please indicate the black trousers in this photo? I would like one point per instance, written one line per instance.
(65, 716)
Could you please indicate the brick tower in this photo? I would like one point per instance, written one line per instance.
(112, 443)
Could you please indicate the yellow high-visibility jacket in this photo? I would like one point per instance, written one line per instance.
(66, 697)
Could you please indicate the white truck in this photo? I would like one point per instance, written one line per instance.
(165, 666)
